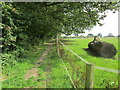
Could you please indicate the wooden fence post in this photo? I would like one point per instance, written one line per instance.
(89, 75)
(57, 44)
(118, 81)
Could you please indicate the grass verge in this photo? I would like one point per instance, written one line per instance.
(14, 75)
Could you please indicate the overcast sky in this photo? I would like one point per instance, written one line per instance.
(110, 26)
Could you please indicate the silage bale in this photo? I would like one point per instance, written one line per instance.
(103, 49)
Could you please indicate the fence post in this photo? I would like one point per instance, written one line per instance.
(89, 75)
(118, 81)
(57, 44)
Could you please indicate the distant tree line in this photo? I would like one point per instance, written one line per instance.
(90, 36)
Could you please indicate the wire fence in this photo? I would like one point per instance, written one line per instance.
(77, 68)
(101, 68)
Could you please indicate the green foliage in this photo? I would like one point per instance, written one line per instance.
(99, 34)
(25, 25)
(6, 59)
(110, 35)
(90, 35)
(15, 75)
(51, 70)
(14, 40)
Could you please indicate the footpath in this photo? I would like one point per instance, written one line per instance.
(34, 72)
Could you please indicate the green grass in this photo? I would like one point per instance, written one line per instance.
(78, 45)
(102, 79)
(51, 70)
(56, 75)
(14, 75)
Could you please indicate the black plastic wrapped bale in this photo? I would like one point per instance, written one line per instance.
(103, 49)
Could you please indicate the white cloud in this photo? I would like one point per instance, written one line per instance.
(110, 25)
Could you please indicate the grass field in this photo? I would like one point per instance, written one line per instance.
(78, 46)
(52, 70)
(102, 78)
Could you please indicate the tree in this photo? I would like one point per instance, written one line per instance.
(110, 35)
(26, 24)
(81, 36)
(76, 34)
(118, 36)
(99, 34)
(68, 17)
(90, 35)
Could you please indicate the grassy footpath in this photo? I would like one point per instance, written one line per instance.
(51, 72)
(56, 74)
(14, 75)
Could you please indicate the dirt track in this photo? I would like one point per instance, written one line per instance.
(33, 72)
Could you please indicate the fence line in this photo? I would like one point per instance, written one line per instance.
(97, 67)
(74, 53)
(107, 69)
(78, 74)
(68, 73)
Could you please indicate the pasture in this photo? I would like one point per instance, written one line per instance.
(101, 78)
(52, 72)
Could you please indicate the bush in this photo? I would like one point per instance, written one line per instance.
(7, 59)
(20, 53)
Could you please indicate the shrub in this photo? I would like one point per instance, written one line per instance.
(7, 59)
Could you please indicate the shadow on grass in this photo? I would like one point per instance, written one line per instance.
(63, 40)
(68, 42)
(91, 52)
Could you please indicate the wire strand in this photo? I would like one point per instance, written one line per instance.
(97, 67)
(68, 73)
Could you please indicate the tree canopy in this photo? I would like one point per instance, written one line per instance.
(26, 24)
(99, 34)
(110, 35)
(90, 35)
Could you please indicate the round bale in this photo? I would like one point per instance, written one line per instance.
(103, 49)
